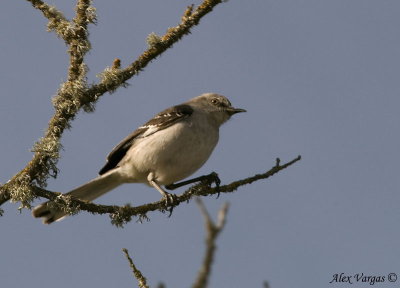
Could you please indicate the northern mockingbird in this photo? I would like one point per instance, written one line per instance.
(168, 148)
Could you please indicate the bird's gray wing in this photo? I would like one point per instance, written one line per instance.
(159, 122)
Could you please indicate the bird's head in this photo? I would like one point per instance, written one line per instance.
(218, 106)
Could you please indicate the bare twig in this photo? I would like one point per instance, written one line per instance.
(138, 275)
(212, 230)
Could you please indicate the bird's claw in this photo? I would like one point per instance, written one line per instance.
(170, 201)
(214, 178)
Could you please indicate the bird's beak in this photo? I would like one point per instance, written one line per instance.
(232, 110)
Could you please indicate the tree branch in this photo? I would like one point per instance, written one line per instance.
(112, 79)
(121, 215)
(57, 21)
(212, 231)
(80, 44)
(75, 94)
(142, 282)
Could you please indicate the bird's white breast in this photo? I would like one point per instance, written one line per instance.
(172, 154)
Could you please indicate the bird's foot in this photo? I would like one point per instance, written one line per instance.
(206, 179)
(170, 202)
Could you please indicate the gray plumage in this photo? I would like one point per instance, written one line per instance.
(170, 147)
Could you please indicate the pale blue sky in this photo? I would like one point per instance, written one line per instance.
(318, 78)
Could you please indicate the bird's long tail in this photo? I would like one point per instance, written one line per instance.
(88, 192)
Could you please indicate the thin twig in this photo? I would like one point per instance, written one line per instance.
(138, 275)
(212, 232)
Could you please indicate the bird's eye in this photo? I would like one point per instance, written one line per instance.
(215, 101)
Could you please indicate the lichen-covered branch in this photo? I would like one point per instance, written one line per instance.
(57, 21)
(121, 215)
(75, 94)
(111, 79)
(212, 232)
(80, 45)
(66, 104)
(142, 282)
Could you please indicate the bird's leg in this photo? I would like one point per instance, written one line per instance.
(169, 198)
(210, 178)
